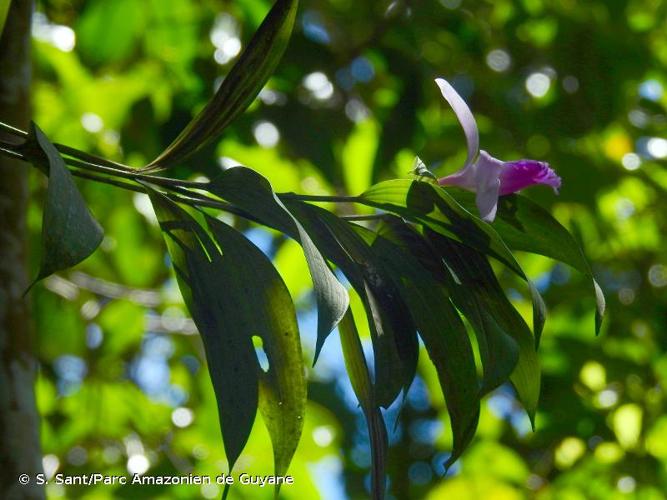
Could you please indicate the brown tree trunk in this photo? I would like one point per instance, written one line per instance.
(20, 451)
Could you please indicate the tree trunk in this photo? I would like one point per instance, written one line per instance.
(19, 421)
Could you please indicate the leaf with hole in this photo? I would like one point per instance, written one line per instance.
(251, 192)
(234, 293)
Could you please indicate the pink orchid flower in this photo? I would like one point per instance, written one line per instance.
(485, 175)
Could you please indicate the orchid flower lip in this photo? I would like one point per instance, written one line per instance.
(485, 175)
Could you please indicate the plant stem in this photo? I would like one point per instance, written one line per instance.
(186, 198)
(134, 175)
(22, 134)
(88, 166)
(11, 153)
(102, 167)
(13, 130)
(363, 217)
(322, 198)
(92, 159)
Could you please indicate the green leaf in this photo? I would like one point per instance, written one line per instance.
(433, 207)
(477, 293)
(108, 30)
(239, 88)
(357, 369)
(254, 301)
(524, 225)
(393, 332)
(262, 299)
(251, 192)
(124, 324)
(230, 354)
(438, 322)
(4, 9)
(70, 233)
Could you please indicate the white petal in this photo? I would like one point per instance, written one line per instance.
(488, 185)
(464, 115)
(487, 201)
(465, 178)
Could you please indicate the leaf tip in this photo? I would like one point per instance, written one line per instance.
(449, 462)
(318, 349)
(531, 417)
(601, 305)
(27, 290)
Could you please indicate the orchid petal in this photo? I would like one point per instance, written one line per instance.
(489, 171)
(520, 174)
(465, 178)
(464, 115)
(487, 201)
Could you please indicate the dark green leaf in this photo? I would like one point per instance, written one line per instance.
(438, 322)
(357, 370)
(69, 231)
(433, 207)
(524, 225)
(392, 329)
(262, 299)
(239, 88)
(230, 354)
(477, 293)
(250, 191)
(234, 293)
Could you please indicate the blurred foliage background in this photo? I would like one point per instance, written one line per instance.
(122, 386)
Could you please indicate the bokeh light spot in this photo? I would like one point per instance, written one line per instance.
(266, 134)
(538, 84)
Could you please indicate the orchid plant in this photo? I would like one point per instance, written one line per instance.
(484, 174)
(419, 264)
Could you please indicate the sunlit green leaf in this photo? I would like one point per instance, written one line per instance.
(357, 155)
(397, 129)
(357, 370)
(4, 9)
(109, 29)
(490, 459)
(123, 323)
(59, 328)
